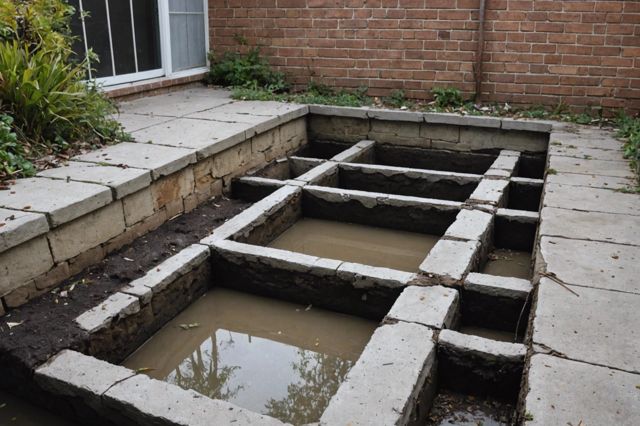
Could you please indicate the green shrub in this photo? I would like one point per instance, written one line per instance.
(398, 99)
(12, 153)
(447, 97)
(43, 87)
(629, 130)
(249, 70)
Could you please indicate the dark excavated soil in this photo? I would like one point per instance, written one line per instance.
(46, 323)
(451, 408)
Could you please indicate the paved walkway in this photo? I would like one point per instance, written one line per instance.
(586, 367)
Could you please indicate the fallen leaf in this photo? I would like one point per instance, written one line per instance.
(13, 324)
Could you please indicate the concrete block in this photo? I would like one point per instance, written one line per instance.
(395, 115)
(52, 277)
(588, 327)
(521, 216)
(161, 276)
(74, 375)
(294, 133)
(472, 364)
(24, 262)
(489, 192)
(21, 295)
(116, 306)
(339, 111)
(462, 120)
(508, 161)
(319, 173)
(495, 286)
(17, 227)
(257, 212)
(161, 160)
(232, 160)
(397, 363)
(562, 164)
(172, 188)
(2, 312)
(591, 264)
(397, 133)
(62, 201)
(526, 125)
(142, 400)
(605, 227)
(265, 142)
(450, 261)
(436, 307)
(470, 225)
(562, 392)
(440, 132)
(475, 138)
(137, 206)
(86, 232)
(340, 128)
(123, 181)
(591, 199)
(365, 276)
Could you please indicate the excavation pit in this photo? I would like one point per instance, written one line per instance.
(271, 357)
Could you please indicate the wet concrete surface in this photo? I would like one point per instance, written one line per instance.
(16, 412)
(451, 408)
(357, 243)
(508, 263)
(276, 358)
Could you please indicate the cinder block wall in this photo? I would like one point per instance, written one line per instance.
(583, 53)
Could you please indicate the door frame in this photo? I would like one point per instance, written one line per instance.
(165, 52)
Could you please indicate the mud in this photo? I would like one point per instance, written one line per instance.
(47, 322)
(508, 263)
(269, 356)
(357, 243)
(450, 408)
(16, 412)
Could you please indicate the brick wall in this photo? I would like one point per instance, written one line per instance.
(583, 53)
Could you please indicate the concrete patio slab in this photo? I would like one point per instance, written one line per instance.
(176, 104)
(123, 181)
(563, 392)
(62, 201)
(606, 227)
(592, 264)
(161, 160)
(134, 122)
(587, 153)
(16, 227)
(585, 137)
(591, 199)
(591, 181)
(597, 326)
(563, 164)
(206, 137)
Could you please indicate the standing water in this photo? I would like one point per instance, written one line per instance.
(369, 245)
(16, 412)
(272, 357)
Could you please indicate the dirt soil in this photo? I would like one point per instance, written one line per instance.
(46, 323)
(450, 408)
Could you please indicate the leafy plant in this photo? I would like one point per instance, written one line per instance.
(629, 130)
(398, 99)
(447, 97)
(249, 70)
(12, 153)
(316, 94)
(43, 87)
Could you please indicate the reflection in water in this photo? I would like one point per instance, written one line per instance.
(272, 357)
(508, 263)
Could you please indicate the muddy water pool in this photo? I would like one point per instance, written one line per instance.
(357, 243)
(272, 357)
(508, 263)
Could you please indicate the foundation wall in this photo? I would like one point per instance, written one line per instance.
(36, 265)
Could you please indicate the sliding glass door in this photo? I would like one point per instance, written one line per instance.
(140, 39)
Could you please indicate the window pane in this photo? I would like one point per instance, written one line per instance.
(98, 36)
(179, 37)
(122, 36)
(196, 45)
(195, 6)
(145, 15)
(177, 5)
